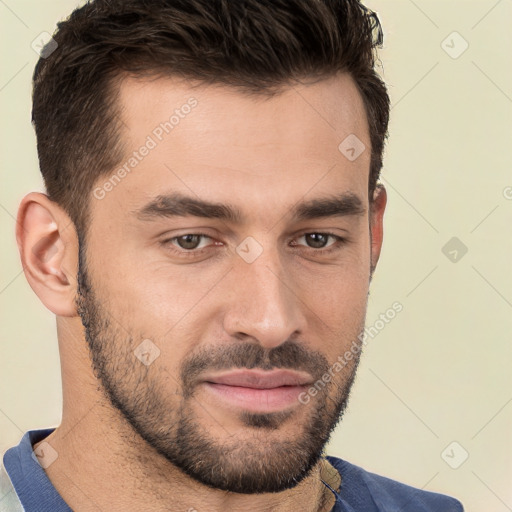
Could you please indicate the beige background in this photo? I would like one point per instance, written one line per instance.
(441, 370)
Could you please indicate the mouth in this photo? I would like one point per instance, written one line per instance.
(258, 391)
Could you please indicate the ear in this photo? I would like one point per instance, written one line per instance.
(377, 209)
(48, 247)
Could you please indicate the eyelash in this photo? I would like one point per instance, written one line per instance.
(191, 253)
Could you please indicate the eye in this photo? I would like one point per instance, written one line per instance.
(317, 240)
(193, 245)
(190, 241)
(320, 241)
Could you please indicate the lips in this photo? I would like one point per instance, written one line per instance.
(257, 379)
(258, 390)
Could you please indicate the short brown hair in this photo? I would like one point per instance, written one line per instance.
(255, 45)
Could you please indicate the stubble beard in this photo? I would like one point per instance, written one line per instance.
(253, 459)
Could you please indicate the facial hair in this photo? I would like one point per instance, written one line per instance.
(259, 460)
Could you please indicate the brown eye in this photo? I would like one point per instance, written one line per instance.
(320, 243)
(189, 241)
(316, 240)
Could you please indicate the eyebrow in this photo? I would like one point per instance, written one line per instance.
(180, 205)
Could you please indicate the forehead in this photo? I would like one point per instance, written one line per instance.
(219, 143)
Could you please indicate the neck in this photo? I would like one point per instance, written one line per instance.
(103, 464)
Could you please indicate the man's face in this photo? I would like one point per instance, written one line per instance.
(207, 324)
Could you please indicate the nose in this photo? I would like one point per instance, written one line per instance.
(263, 304)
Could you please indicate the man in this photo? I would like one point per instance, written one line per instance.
(211, 225)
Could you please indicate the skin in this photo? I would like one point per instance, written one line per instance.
(261, 156)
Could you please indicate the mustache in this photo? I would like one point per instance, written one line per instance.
(288, 355)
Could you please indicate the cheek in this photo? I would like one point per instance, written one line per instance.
(150, 296)
(342, 318)
(335, 303)
(164, 300)
(337, 291)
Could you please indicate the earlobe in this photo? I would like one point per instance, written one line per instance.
(47, 244)
(378, 208)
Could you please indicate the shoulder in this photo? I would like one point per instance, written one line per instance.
(387, 494)
(24, 484)
(9, 501)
